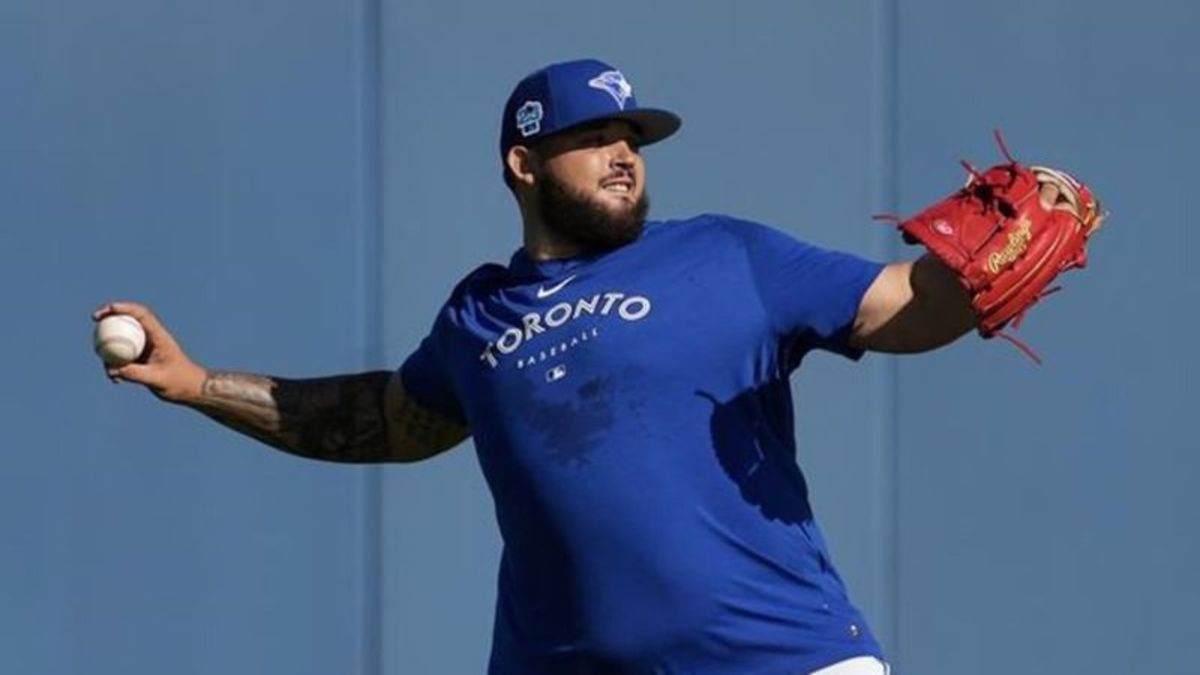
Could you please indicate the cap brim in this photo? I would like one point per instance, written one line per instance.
(654, 125)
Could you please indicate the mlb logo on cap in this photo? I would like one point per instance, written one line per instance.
(569, 94)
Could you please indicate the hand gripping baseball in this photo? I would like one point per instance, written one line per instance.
(164, 368)
(1007, 234)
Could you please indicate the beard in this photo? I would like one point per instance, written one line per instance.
(573, 218)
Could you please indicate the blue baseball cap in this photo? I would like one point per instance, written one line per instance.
(565, 95)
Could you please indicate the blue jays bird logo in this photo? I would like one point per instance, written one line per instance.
(615, 84)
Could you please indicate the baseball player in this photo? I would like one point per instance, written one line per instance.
(625, 383)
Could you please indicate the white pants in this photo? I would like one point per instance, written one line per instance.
(861, 665)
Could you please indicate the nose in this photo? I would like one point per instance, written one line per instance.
(623, 156)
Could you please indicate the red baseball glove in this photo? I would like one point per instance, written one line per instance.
(1007, 234)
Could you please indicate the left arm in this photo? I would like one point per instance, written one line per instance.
(913, 307)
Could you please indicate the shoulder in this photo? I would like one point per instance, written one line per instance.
(480, 280)
(713, 226)
(464, 299)
(771, 250)
(726, 240)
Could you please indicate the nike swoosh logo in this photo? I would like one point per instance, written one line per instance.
(543, 292)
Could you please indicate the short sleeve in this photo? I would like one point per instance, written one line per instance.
(812, 294)
(428, 381)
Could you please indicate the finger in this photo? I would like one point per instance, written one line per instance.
(140, 312)
(133, 372)
(102, 311)
(1048, 195)
(119, 307)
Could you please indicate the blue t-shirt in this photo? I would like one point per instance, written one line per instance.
(632, 415)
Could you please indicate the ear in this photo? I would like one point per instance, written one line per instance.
(521, 163)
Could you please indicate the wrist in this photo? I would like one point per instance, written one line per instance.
(189, 391)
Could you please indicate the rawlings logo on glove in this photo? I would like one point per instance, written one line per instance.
(1018, 241)
(1008, 233)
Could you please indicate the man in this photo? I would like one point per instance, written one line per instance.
(626, 386)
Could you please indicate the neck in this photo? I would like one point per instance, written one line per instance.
(541, 246)
(541, 243)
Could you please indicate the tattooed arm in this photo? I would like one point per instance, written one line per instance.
(349, 418)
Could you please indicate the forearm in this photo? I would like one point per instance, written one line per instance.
(339, 419)
(925, 308)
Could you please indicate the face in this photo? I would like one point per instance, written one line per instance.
(589, 185)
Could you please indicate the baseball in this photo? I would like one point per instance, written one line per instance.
(119, 339)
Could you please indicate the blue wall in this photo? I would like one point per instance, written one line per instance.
(1047, 516)
(295, 186)
(206, 158)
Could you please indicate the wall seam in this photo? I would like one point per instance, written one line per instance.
(886, 375)
(369, 44)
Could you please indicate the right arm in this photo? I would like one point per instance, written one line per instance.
(360, 418)
(348, 418)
